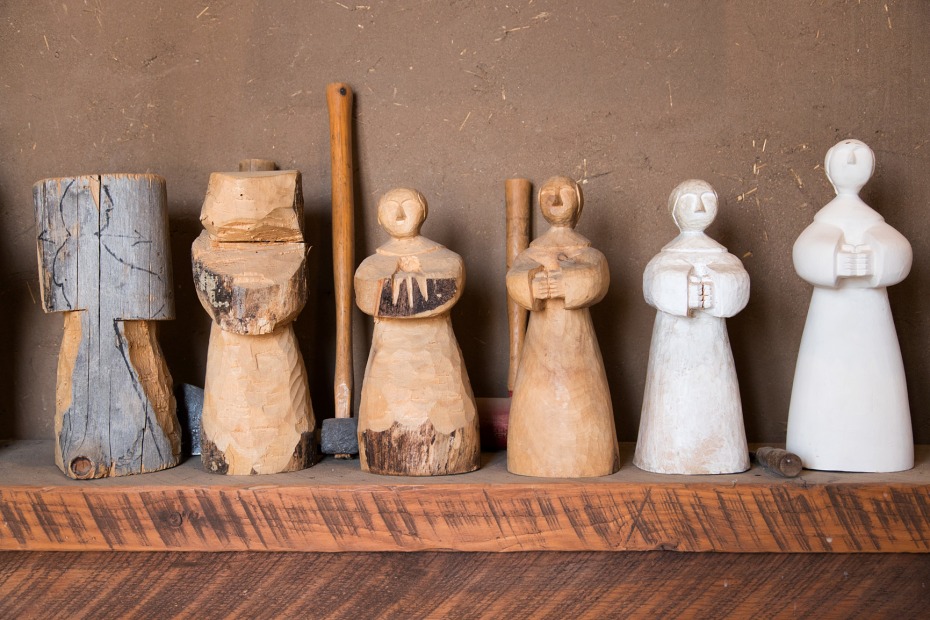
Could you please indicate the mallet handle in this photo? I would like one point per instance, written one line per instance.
(518, 200)
(339, 101)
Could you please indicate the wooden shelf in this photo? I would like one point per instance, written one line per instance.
(335, 507)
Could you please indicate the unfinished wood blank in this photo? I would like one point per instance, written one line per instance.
(104, 262)
(250, 277)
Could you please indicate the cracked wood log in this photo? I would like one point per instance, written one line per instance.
(104, 262)
(250, 274)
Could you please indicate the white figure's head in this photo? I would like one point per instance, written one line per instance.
(401, 212)
(849, 165)
(561, 201)
(693, 205)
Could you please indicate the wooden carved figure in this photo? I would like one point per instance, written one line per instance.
(104, 262)
(250, 276)
(692, 419)
(561, 418)
(849, 409)
(417, 414)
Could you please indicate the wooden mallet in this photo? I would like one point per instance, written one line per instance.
(340, 434)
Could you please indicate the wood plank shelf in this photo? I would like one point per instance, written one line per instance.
(334, 507)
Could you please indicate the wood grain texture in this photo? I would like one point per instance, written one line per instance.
(335, 507)
(450, 585)
(104, 261)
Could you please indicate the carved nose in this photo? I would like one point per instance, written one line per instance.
(556, 201)
(852, 158)
(401, 216)
(699, 208)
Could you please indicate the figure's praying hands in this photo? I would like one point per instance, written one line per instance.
(854, 261)
(548, 285)
(700, 293)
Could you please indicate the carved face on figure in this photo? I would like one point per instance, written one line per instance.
(561, 201)
(693, 205)
(401, 212)
(849, 165)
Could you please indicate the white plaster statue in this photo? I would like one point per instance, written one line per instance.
(849, 409)
(561, 418)
(692, 418)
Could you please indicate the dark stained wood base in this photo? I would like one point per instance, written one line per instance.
(455, 585)
(336, 507)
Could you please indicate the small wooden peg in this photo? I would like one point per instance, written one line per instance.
(779, 462)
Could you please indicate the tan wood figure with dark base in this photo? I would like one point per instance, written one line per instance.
(250, 275)
(561, 418)
(417, 415)
(104, 262)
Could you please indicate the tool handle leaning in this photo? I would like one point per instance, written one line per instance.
(518, 200)
(339, 101)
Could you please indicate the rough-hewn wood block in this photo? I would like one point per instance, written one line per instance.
(250, 288)
(335, 507)
(254, 206)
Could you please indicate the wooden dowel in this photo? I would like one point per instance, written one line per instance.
(518, 200)
(339, 101)
(778, 461)
(257, 165)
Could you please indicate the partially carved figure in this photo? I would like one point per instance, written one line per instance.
(417, 415)
(692, 418)
(561, 418)
(250, 275)
(849, 408)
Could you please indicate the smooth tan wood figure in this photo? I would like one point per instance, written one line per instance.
(417, 415)
(104, 262)
(250, 275)
(561, 418)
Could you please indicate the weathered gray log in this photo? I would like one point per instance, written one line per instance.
(104, 262)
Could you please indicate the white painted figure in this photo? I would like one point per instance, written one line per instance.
(692, 418)
(849, 408)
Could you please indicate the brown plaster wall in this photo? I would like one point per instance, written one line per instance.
(453, 97)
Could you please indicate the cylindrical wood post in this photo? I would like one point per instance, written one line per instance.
(257, 165)
(339, 101)
(517, 192)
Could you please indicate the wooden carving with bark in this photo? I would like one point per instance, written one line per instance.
(104, 262)
(417, 415)
(250, 274)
